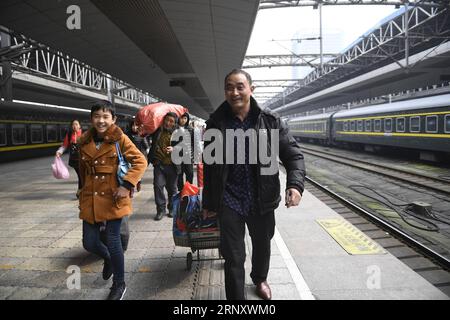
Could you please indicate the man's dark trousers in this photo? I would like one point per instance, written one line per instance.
(232, 247)
(188, 169)
(164, 175)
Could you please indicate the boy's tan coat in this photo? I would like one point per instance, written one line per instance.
(98, 172)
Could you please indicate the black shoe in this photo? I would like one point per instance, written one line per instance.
(107, 270)
(159, 215)
(118, 290)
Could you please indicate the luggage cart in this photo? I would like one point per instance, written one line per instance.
(197, 234)
(198, 239)
(202, 239)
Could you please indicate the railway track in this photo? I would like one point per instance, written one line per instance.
(425, 181)
(427, 262)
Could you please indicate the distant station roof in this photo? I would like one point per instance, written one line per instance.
(392, 56)
(176, 50)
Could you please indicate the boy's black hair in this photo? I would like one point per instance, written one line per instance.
(103, 105)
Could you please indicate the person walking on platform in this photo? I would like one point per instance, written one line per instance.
(187, 168)
(103, 201)
(140, 142)
(164, 171)
(70, 143)
(245, 194)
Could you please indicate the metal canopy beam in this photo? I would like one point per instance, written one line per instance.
(273, 4)
(282, 60)
(281, 83)
(31, 57)
(390, 42)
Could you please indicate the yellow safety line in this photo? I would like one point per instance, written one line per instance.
(30, 121)
(33, 146)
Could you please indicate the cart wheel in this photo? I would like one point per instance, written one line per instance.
(189, 261)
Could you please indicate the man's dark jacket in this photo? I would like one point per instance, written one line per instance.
(268, 186)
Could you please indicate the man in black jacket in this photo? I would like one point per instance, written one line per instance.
(244, 194)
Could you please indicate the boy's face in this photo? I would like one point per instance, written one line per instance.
(101, 120)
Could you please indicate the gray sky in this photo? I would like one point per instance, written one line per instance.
(342, 25)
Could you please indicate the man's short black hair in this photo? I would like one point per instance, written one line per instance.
(171, 114)
(103, 105)
(239, 71)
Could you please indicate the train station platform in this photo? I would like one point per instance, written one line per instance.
(40, 240)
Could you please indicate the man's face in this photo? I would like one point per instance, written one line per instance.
(169, 123)
(238, 92)
(183, 121)
(101, 120)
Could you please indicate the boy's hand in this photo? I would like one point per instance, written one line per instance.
(122, 192)
(169, 149)
(58, 154)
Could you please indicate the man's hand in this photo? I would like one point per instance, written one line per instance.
(122, 192)
(293, 197)
(208, 214)
(169, 149)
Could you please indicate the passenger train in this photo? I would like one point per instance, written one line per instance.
(421, 125)
(31, 129)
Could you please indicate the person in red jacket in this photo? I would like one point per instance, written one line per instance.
(70, 143)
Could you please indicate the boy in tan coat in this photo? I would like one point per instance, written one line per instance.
(103, 202)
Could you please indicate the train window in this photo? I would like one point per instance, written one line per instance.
(414, 124)
(352, 125)
(37, 133)
(387, 125)
(19, 134)
(400, 124)
(3, 135)
(360, 125)
(377, 125)
(368, 125)
(431, 124)
(345, 125)
(52, 133)
(62, 132)
(447, 123)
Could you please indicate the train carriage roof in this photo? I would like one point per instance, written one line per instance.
(406, 105)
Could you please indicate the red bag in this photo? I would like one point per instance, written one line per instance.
(200, 175)
(150, 118)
